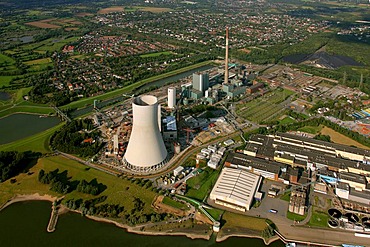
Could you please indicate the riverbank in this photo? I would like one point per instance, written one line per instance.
(129, 229)
(33, 197)
(226, 236)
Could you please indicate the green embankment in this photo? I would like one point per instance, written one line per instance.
(119, 191)
(129, 88)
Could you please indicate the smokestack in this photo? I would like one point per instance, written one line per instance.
(227, 57)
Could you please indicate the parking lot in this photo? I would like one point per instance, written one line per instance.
(269, 203)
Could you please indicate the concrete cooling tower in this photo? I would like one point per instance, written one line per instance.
(145, 150)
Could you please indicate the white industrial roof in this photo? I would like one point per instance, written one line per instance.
(236, 187)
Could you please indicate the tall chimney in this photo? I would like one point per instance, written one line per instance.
(226, 80)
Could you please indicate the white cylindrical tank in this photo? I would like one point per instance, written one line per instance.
(171, 97)
(145, 151)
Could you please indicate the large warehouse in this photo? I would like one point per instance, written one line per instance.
(235, 189)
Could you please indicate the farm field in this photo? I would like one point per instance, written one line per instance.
(5, 80)
(265, 107)
(154, 9)
(156, 54)
(43, 24)
(111, 10)
(341, 139)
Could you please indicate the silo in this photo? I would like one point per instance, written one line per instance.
(145, 151)
(171, 97)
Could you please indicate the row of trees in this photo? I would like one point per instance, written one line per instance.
(61, 183)
(90, 207)
(13, 162)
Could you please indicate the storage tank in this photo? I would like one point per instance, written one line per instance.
(171, 97)
(145, 151)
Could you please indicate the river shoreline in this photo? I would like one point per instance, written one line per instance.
(63, 209)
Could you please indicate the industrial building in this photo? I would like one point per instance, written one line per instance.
(169, 128)
(171, 97)
(146, 151)
(347, 168)
(235, 189)
(200, 82)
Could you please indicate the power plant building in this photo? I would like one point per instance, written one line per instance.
(171, 97)
(145, 151)
(201, 82)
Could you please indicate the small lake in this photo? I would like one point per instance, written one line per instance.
(18, 126)
(24, 224)
(5, 96)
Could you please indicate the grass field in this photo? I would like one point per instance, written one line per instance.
(27, 109)
(119, 191)
(318, 219)
(233, 220)
(293, 216)
(215, 213)
(287, 120)
(201, 185)
(286, 197)
(175, 204)
(39, 61)
(264, 107)
(154, 9)
(36, 143)
(5, 80)
(111, 10)
(341, 139)
(311, 129)
(5, 60)
(156, 54)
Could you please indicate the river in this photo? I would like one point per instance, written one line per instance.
(156, 83)
(24, 224)
(20, 125)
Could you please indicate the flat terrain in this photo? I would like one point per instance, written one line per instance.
(265, 107)
(119, 191)
(43, 24)
(341, 139)
(155, 10)
(111, 10)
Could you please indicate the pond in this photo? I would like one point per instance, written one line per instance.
(4, 96)
(20, 125)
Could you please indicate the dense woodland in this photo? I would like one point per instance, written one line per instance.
(12, 163)
(77, 137)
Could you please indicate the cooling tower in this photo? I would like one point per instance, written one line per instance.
(145, 150)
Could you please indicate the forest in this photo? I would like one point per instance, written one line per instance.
(71, 139)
